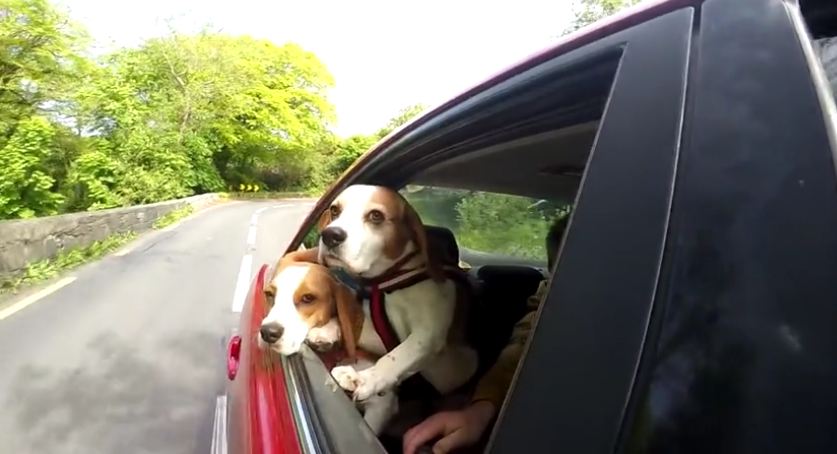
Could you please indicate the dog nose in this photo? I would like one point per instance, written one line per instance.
(271, 332)
(333, 237)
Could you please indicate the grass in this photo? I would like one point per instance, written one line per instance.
(65, 260)
(173, 216)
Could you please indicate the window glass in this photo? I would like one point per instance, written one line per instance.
(714, 385)
(312, 238)
(492, 223)
(826, 49)
(816, 24)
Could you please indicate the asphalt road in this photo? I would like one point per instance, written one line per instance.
(129, 357)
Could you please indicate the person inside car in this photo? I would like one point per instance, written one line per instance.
(465, 427)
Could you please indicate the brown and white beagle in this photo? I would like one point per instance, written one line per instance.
(311, 305)
(373, 234)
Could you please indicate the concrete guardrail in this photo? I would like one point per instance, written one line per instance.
(29, 240)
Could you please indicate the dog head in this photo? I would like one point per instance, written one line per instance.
(309, 304)
(368, 229)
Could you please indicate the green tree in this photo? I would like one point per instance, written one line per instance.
(25, 186)
(39, 61)
(186, 114)
(332, 156)
(406, 114)
(350, 149)
(38, 58)
(93, 179)
(586, 12)
(503, 224)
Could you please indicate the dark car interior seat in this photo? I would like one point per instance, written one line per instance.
(502, 295)
(499, 294)
(442, 240)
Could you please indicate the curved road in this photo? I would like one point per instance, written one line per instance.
(129, 357)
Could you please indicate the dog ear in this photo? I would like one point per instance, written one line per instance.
(325, 219)
(350, 315)
(419, 234)
(269, 294)
(302, 255)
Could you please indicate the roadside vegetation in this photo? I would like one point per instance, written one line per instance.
(66, 260)
(173, 216)
(187, 114)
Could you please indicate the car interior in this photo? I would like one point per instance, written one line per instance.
(549, 167)
(502, 284)
(536, 148)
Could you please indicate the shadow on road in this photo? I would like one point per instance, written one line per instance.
(120, 397)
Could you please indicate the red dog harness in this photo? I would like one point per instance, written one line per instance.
(397, 279)
(375, 290)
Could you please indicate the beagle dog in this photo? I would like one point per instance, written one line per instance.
(310, 305)
(411, 310)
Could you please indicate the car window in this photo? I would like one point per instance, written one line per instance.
(496, 217)
(723, 372)
(492, 223)
(826, 49)
(818, 30)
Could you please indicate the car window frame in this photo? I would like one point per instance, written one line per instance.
(697, 207)
(368, 170)
(576, 324)
(826, 95)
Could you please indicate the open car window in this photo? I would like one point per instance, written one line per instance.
(489, 227)
(496, 216)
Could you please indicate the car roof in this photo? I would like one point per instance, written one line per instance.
(626, 18)
(486, 165)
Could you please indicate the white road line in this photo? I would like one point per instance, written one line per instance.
(251, 237)
(242, 284)
(219, 436)
(254, 224)
(34, 298)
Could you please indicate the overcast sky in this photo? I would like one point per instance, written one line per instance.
(384, 55)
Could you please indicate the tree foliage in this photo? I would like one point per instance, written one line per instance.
(406, 114)
(25, 185)
(338, 155)
(586, 12)
(200, 113)
(175, 116)
(489, 222)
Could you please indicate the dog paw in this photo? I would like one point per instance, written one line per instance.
(321, 347)
(323, 338)
(370, 384)
(346, 376)
(332, 385)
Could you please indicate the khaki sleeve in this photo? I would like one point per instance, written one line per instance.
(495, 384)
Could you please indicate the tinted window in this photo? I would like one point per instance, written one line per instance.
(741, 346)
(498, 224)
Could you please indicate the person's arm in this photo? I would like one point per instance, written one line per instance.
(495, 383)
(465, 427)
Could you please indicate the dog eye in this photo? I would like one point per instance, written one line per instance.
(307, 298)
(376, 217)
(334, 210)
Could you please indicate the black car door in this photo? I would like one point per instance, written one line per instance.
(572, 389)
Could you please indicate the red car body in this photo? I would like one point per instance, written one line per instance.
(260, 418)
(260, 415)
